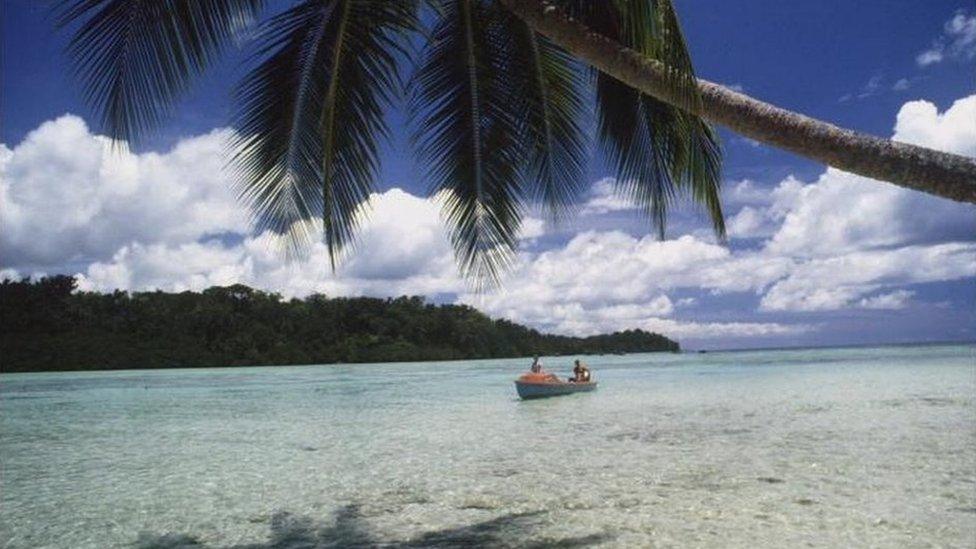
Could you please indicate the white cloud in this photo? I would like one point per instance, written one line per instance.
(920, 122)
(688, 329)
(402, 249)
(68, 195)
(958, 41)
(748, 223)
(961, 29)
(870, 88)
(895, 300)
(603, 198)
(745, 191)
(901, 84)
(767, 210)
(850, 236)
(532, 228)
(839, 213)
(603, 281)
(838, 282)
(750, 142)
(403, 236)
(188, 266)
(842, 212)
(930, 56)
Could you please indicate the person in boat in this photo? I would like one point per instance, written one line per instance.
(536, 368)
(581, 373)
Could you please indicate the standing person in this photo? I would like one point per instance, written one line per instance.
(536, 365)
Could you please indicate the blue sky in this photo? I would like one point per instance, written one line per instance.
(863, 65)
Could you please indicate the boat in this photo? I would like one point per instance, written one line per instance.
(548, 385)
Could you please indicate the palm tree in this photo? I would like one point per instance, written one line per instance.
(497, 99)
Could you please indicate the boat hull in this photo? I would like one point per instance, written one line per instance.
(535, 389)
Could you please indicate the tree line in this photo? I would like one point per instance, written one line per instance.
(46, 324)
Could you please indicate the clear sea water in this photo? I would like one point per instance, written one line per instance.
(829, 447)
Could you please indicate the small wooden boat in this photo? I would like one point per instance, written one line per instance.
(548, 385)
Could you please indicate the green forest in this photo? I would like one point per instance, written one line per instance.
(46, 324)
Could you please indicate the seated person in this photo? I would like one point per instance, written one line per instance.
(580, 372)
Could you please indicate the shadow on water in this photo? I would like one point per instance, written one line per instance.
(348, 529)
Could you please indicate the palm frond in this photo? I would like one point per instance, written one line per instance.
(685, 155)
(311, 114)
(548, 84)
(135, 58)
(469, 136)
(279, 144)
(651, 27)
(703, 170)
(657, 149)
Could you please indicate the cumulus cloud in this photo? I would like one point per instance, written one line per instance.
(850, 236)
(958, 41)
(603, 198)
(69, 195)
(748, 223)
(402, 249)
(894, 300)
(841, 212)
(920, 122)
(765, 209)
(688, 329)
(575, 319)
(610, 280)
(532, 228)
(745, 191)
(838, 282)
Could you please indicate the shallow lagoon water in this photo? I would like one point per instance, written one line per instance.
(827, 447)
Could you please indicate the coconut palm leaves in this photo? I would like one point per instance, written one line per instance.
(498, 108)
(469, 136)
(549, 87)
(657, 149)
(311, 113)
(136, 57)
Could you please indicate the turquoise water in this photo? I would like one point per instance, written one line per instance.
(831, 447)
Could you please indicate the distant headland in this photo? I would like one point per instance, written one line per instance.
(46, 325)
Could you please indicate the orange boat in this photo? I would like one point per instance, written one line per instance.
(541, 385)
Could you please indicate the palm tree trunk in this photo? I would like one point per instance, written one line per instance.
(942, 174)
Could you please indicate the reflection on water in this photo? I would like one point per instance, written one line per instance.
(781, 448)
